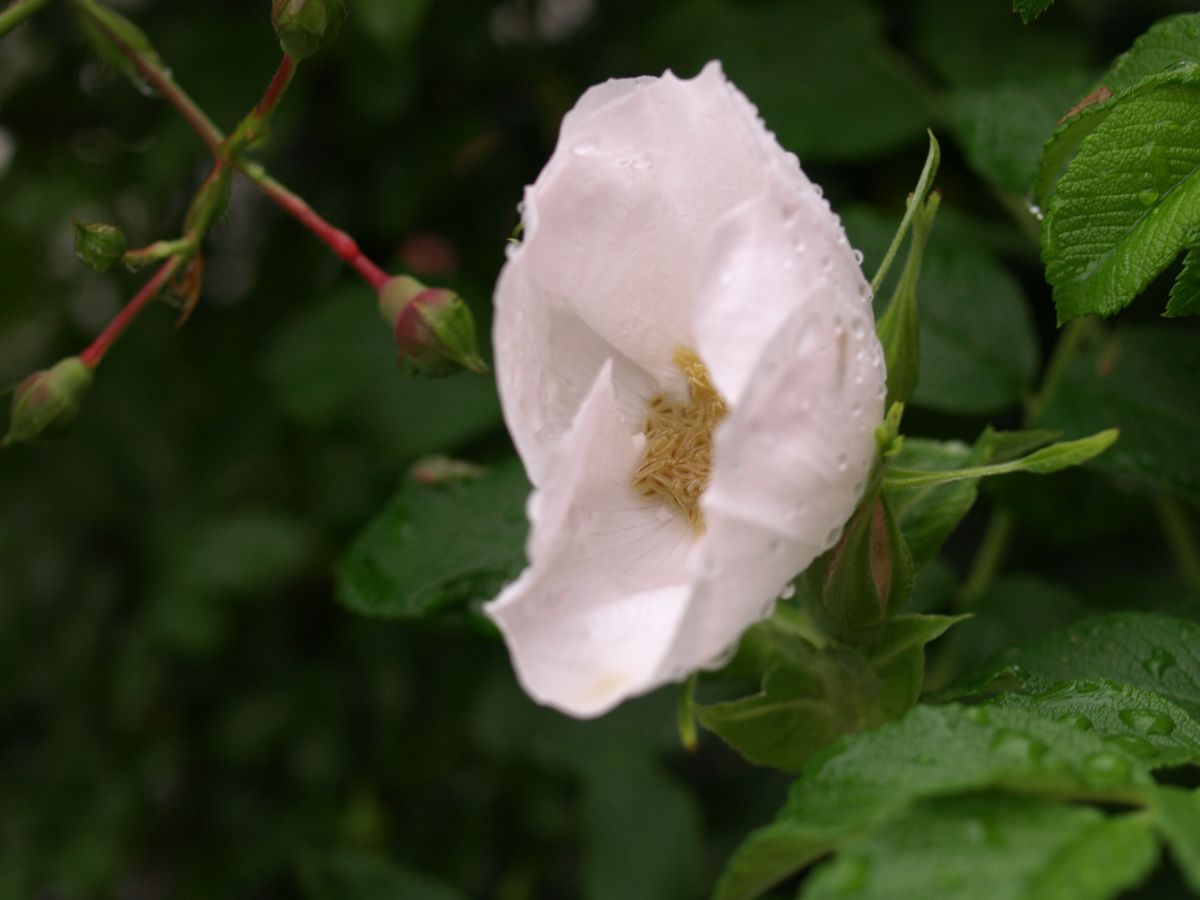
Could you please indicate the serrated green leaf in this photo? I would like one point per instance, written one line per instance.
(1041, 462)
(1177, 818)
(436, 547)
(1144, 650)
(990, 847)
(354, 875)
(1145, 382)
(811, 697)
(1129, 201)
(1148, 726)
(866, 779)
(1030, 9)
(1185, 292)
(1166, 43)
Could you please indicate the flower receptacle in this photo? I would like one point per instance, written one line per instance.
(47, 402)
(433, 327)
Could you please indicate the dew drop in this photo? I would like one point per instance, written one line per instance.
(1078, 722)
(832, 537)
(1158, 663)
(857, 326)
(1107, 767)
(1147, 197)
(843, 461)
(978, 715)
(1020, 746)
(1036, 211)
(1148, 721)
(817, 189)
(584, 148)
(788, 592)
(1134, 746)
(858, 257)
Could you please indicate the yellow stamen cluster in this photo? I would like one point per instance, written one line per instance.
(675, 465)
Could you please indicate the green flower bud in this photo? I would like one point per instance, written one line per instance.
(434, 328)
(862, 582)
(305, 26)
(47, 402)
(98, 245)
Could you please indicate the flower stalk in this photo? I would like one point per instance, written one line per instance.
(17, 12)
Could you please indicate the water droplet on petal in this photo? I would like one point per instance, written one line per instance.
(858, 257)
(788, 592)
(584, 148)
(843, 461)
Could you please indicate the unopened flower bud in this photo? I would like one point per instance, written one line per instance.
(434, 328)
(47, 402)
(305, 26)
(861, 583)
(98, 244)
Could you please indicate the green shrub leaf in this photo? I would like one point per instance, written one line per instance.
(868, 778)
(439, 546)
(1129, 201)
(990, 847)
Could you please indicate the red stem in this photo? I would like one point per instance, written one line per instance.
(343, 246)
(95, 352)
(279, 83)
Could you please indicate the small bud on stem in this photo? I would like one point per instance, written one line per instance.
(47, 402)
(98, 244)
(305, 26)
(433, 326)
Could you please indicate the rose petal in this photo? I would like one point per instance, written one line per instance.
(588, 623)
(641, 195)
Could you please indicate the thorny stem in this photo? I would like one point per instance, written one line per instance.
(95, 352)
(17, 12)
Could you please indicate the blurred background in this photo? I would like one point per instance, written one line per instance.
(185, 709)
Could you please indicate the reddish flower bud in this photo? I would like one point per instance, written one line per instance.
(47, 402)
(434, 328)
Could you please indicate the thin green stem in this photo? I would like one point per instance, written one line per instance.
(996, 538)
(1056, 368)
(1181, 538)
(988, 559)
(17, 12)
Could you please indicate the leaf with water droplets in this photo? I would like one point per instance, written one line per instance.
(809, 697)
(864, 780)
(1177, 818)
(1141, 722)
(1129, 200)
(437, 547)
(990, 847)
(1156, 653)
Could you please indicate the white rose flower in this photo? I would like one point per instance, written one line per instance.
(688, 366)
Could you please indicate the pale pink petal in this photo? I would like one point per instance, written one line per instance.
(589, 621)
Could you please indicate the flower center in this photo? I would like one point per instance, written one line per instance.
(675, 465)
